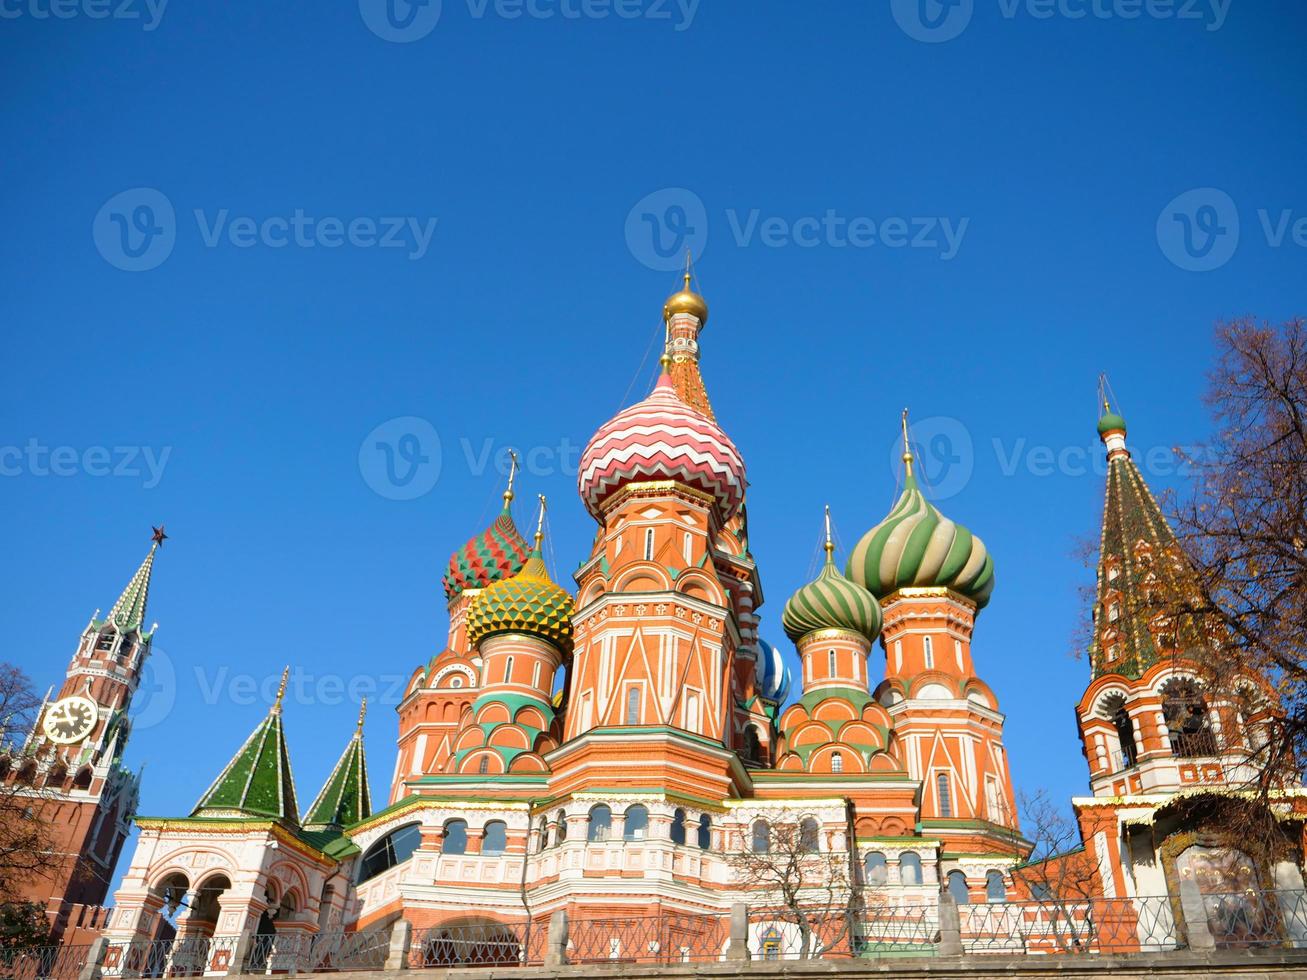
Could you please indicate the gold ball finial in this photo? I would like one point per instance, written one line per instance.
(687, 300)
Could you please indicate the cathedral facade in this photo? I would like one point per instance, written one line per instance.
(608, 750)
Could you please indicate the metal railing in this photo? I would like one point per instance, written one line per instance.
(318, 952)
(1098, 925)
(42, 962)
(186, 956)
(1250, 919)
(654, 939)
(479, 944)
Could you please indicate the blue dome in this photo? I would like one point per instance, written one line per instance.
(773, 672)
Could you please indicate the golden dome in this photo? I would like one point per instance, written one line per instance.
(686, 301)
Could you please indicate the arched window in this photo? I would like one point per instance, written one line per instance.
(395, 848)
(494, 838)
(877, 868)
(830, 663)
(543, 834)
(995, 889)
(909, 868)
(601, 822)
(633, 705)
(760, 839)
(704, 837)
(560, 821)
(483, 766)
(1185, 712)
(678, 827)
(454, 838)
(945, 796)
(752, 744)
(1125, 734)
(648, 544)
(929, 646)
(508, 669)
(636, 823)
(808, 835)
(836, 762)
(957, 887)
(83, 778)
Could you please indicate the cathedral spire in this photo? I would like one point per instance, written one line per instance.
(1139, 558)
(345, 798)
(128, 613)
(257, 782)
(685, 313)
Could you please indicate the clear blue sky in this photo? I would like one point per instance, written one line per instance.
(1053, 147)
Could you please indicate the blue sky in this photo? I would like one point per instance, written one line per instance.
(241, 237)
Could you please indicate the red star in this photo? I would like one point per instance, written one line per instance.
(159, 536)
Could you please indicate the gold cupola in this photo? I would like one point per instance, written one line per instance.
(686, 301)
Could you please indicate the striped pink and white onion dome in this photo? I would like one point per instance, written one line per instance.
(662, 438)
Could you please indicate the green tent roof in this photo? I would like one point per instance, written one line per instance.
(257, 781)
(345, 799)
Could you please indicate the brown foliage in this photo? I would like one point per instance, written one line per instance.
(26, 839)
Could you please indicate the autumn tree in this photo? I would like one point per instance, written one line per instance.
(1058, 874)
(804, 877)
(26, 839)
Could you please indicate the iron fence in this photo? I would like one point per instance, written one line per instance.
(804, 934)
(43, 962)
(654, 939)
(1251, 919)
(1098, 925)
(889, 929)
(186, 956)
(479, 944)
(319, 952)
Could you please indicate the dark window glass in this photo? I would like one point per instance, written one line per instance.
(454, 840)
(395, 848)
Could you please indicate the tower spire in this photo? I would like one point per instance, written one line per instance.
(512, 475)
(345, 797)
(540, 522)
(907, 447)
(830, 544)
(128, 613)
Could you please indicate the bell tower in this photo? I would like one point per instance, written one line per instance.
(72, 758)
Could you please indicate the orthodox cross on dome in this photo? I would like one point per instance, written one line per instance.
(907, 446)
(830, 544)
(512, 474)
(540, 521)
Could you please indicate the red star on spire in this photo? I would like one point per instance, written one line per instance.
(158, 536)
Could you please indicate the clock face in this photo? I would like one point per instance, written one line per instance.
(69, 720)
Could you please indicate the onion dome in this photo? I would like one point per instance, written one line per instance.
(686, 301)
(529, 603)
(773, 673)
(495, 554)
(918, 546)
(831, 601)
(1111, 422)
(662, 438)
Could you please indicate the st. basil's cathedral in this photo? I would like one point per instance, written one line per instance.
(607, 751)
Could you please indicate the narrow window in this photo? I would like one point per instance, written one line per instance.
(454, 839)
(483, 766)
(689, 546)
(678, 827)
(877, 869)
(808, 835)
(957, 888)
(909, 868)
(633, 705)
(1125, 734)
(760, 842)
(930, 653)
(560, 834)
(704, 837)
(636, 823)
(836, 762)
(692, 712)
(508, 670)
(494, 838)
(957, 652)
(995, 889)
(945, 798)
(535, 675)
(898, 654)
(601, 821)
(648, 543)
(830, 663)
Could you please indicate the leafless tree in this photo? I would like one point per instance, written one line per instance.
(1058, 874)
(801, 878)
(26, 838)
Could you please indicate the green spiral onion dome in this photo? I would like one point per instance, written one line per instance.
(529, 603)
(831, 601)
(918, 546)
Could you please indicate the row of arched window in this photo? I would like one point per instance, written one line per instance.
(995, 887)
(635, 826)
(875, 868)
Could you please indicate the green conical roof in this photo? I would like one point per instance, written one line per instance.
(257, 782)
(345, 799)
(128, 613)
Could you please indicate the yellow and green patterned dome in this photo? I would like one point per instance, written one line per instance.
(917, 546)
(529, 602)
(831, 601)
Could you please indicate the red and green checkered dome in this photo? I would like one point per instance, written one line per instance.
(497, 553)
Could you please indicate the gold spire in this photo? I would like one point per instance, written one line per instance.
(540, 522)
(830, 544)
(363, 713)
(281, 691)
(512, 473)
(687, 300)
(907, 447)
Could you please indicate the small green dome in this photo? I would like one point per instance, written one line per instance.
(831, 601)
(917, 546)
(529, 602)
(1109, 422)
